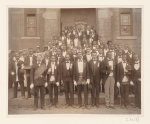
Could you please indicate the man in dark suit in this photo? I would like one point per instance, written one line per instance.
(81, 78)
(123, 74)
(39, 84)
(17, 73)
(109, 70)
(53, 81)
(30, 63)
(95, 77)
(67, 79)
(136, 77)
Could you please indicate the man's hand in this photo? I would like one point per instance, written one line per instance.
(49, 70)
(131, 83)
(32, 85)
(75, 83)
(46, 84)
(57, 83)
(12, 73)
(62, 81)
(88, 81)
(139, 79)
(101, 82)
(118, 84)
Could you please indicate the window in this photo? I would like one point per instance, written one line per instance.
(30, 23)
(125, 24)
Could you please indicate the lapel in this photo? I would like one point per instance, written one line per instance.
(122, 67)
(84, 66)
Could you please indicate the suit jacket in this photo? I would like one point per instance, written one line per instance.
(64, 71)
(136, 74)
(27, 62)
(97, 73)
(20, 70)
(121, 73)
(106, 69)
(85, 71)
(56, 73)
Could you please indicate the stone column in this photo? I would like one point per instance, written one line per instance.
(104, 23)
(115, 24)
(137, 28)
(51, 24)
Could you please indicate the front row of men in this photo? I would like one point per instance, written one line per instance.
(81, 75)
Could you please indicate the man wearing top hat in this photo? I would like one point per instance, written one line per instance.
(81, 78)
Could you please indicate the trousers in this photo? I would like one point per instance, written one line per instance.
(83, 88)
(68, 85)
(109, 91)
(39, 90)
(21, 88)
(53, 93)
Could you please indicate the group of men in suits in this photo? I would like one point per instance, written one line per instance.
(80, 62)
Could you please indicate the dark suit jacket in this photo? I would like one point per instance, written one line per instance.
(64, 71)
(56, 73)
(120, 73)
(97, 73)
(106, 69)
(20, 71)
(136, 74)
(85, 71)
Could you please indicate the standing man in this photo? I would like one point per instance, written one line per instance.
(81, 79)
(123, 80)
(67, 79)
(136, 77)
(53, 81)
(109, 70)
(95, 77)
(30, 63)
(17, 73)
(39, 84)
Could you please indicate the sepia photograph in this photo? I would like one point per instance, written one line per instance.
(74, 60)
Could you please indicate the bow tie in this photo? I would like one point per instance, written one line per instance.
(124, 61)
(67, 61)
(80, 60)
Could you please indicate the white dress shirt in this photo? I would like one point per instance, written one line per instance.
(31, 60)
(80, 66)
(137, 66)
(17, 79)
(76, 42)
(110, 63)
(125, 79)
(68, 65)
(46, 61)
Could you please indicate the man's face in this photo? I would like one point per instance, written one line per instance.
(67, 57)
(94, 56)
(124, 57)
(109, 55)
(80, 55)
(17, 57)
(136, 57)
(53, 59)
(30, 53)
